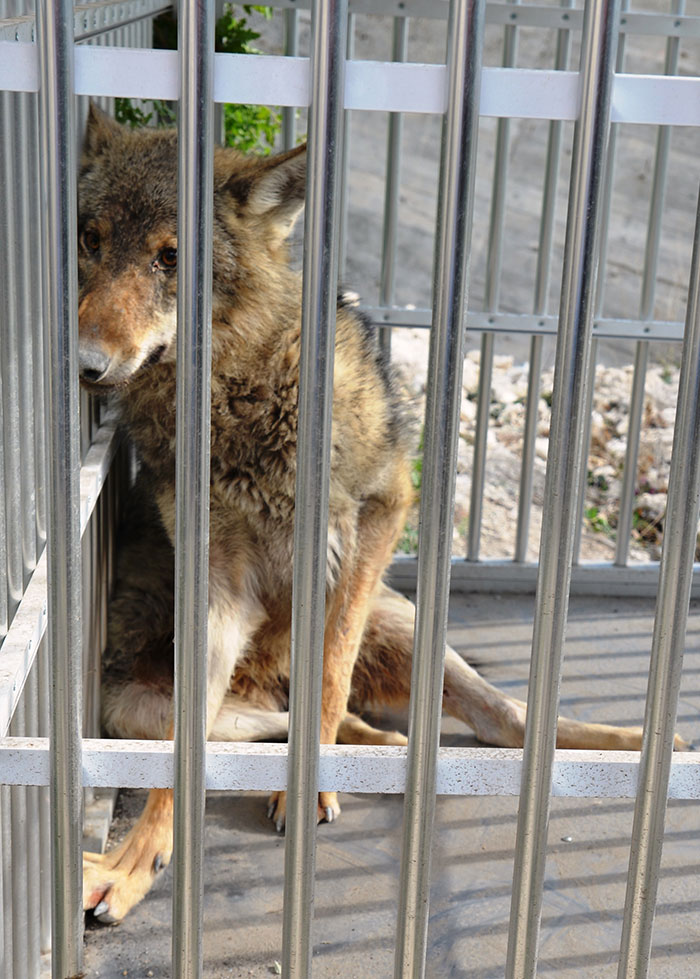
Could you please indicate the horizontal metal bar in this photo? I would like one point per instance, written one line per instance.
(479, 321)
(370, 85)
(29, 624)
(640, 580)
(346, 768)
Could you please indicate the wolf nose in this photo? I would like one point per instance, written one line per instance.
(93, 364)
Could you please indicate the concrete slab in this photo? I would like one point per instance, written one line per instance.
(358, 858)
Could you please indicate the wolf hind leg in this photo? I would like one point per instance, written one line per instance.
(382, 677)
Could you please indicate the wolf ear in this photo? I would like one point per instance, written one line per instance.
(274, 190)
(100, 131)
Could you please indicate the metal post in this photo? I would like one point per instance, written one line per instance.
(391, 193)
(667, 648)
(195, 194)
(646, 312)
(601, 22)
(600, 296)
(9, 364)
(493, 286)
(291, 49)
(344, 187)
(442, 417)
(59, 207)
(329, 25)
(544, 268)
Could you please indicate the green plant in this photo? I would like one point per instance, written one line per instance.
(249, 128)
(597, 521)
(131, 114)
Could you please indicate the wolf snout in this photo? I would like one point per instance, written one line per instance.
(93, 362)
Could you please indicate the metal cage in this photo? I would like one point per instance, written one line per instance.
(62, 479)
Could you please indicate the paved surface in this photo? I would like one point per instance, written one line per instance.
(358, 857)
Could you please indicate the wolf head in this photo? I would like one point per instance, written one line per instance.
(127, 251)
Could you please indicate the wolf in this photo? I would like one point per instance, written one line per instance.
(127, 227)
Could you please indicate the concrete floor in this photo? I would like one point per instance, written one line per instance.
(358, 857)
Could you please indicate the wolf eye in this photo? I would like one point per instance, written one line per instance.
(91, 240)
(167, 258)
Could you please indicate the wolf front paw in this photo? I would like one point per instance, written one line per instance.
(328, 808)
(114, 882)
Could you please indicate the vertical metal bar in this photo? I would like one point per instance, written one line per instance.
(291, 49)
(588, 395)
(195, 194)
(4, 961)
(670, 622)
(9, 362)
(609, 177)
(600, 296)
(634, 433)
(442, 416)
(59, 206)
(31, 897)
(646, 312)
(6, 858)
(601, 22)
(544, 267)
(329, 24)
(34, 177)
(345, 161)
(391, 193)
(4, 591)
(44, 803)
(20, 890)
(24, 366)
(494, 266)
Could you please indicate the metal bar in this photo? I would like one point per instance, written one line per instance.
(392, 185)
(195, 194)
(328, 46)
(560, 505)
(494, 266)
(651, 261)
(9, 362)
(608, 184)
(59, 206)
(541, 301)
(24, 365)
(4, 591)
(599, 303)
(291, 49)
(442, 417)
(33, 173)
(236, 766)
(629, 473)
(670, 623)
(44, 804)
(32, 830)
(7, 909)
(588, 396)
(345, 162)
(20, 890)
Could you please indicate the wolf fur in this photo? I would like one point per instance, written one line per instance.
(127, 273)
